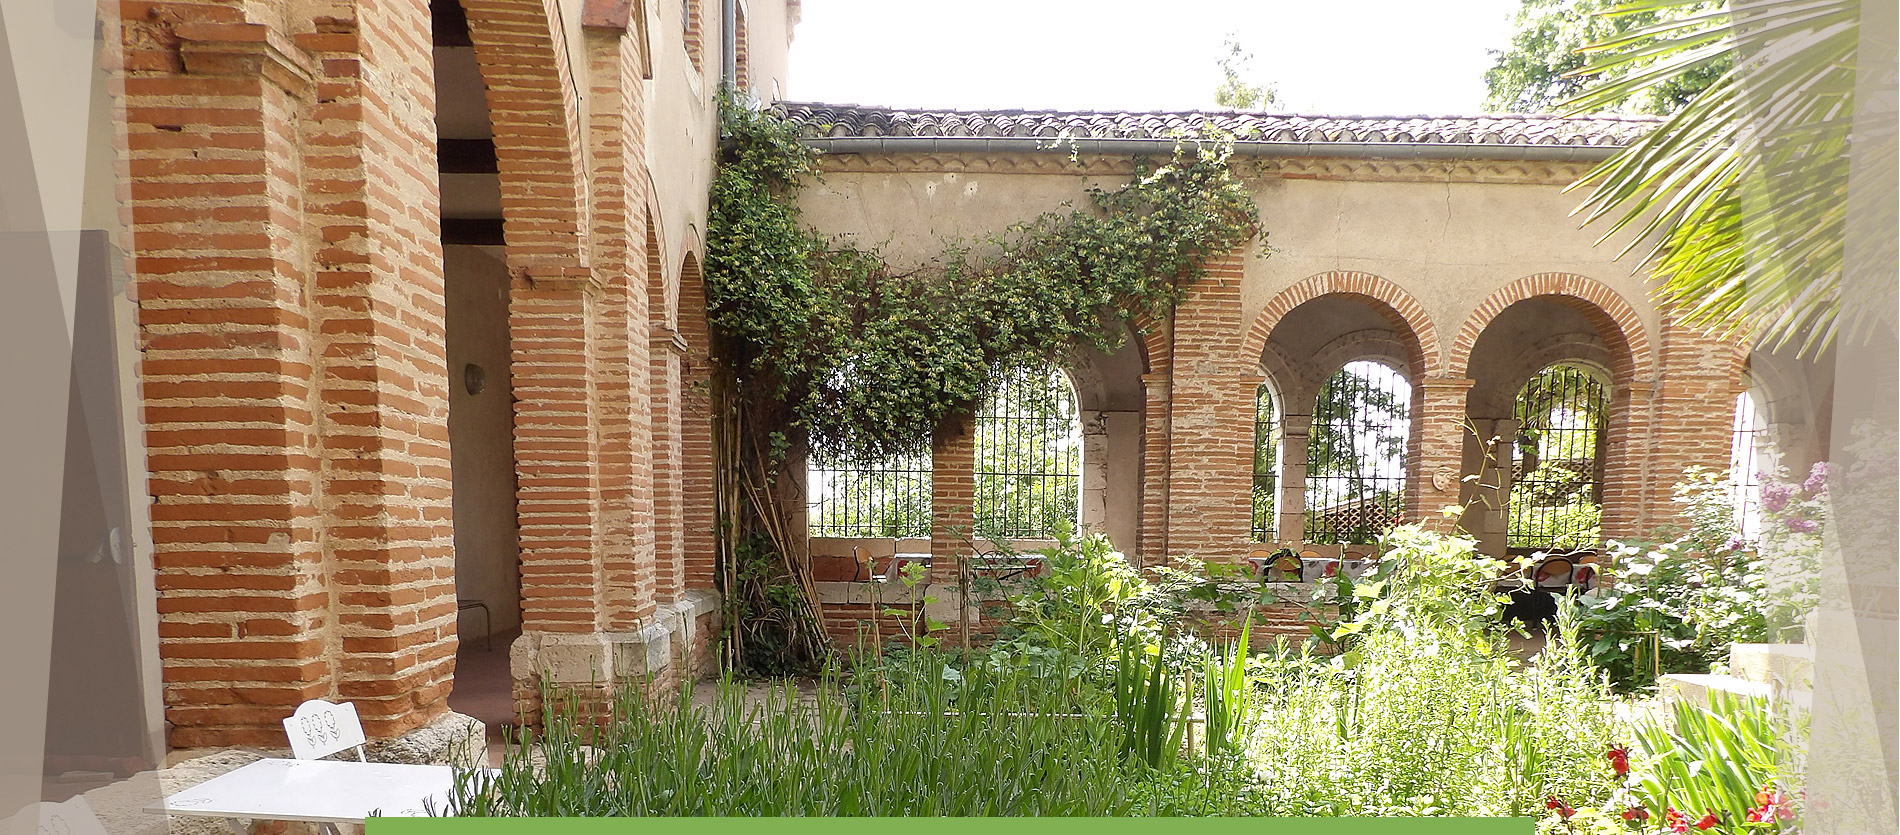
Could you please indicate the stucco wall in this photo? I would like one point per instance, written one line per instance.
(1449, 244)
(481, 439)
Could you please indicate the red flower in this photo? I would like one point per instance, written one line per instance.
(1636, 814)
(1675, 821)
(1619, 758)
(1708, 821)
(1558, 806)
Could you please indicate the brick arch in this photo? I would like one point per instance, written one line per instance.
(1613, 317)
(534, 112)
(1404, 313)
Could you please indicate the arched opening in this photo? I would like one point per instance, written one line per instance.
(1355, 458)
(1266, 464)
(1028, 456)
(481, 400)
(1556, 490)
(1547, 410)
(1341, 366)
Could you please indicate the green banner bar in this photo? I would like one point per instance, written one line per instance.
(950, 826)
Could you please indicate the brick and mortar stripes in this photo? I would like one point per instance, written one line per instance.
(283, 213)
(283, 235)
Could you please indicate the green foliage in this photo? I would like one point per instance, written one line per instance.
(1546, 66)
(1426, 712)
(1006, 745)
(1150, 707)
(1678, 606)
(1738, 201)
(1234, 91)
(868, 362)
(1726, 759)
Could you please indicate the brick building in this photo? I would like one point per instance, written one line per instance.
(419, 321)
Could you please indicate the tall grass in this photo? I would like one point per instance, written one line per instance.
(987, 746)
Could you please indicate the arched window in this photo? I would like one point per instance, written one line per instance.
(1266, 463)
(890, 499)
(1557, 461)
(1751, 454)
(1028, 456)
(1355, 459)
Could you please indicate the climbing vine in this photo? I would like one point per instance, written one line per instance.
(825, 348)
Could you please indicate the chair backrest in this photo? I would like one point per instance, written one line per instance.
(319, 729)
(1554, 572)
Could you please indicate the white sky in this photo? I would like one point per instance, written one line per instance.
(1339, 57)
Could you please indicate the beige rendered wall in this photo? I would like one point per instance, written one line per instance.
(481, 438)
(1448, 244)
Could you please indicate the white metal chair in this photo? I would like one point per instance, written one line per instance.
(319, 729)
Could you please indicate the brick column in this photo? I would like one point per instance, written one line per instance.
(952, 499)
(1693, 420)
(1435, 469)
(1211, 420)
(556, 450)
(1626, 461)
(696, 431)
(228, 347)
(384, 369)
(616, 145)
(1153, 539)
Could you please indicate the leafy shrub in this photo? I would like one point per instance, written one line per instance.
(1427, 712)
(1678, 606)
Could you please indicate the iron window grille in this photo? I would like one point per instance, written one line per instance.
(1355, 470)
(890, 499)
(1562, 417)
(1266, 464)
(1028, 456)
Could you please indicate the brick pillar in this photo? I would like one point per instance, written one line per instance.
(669, 530)
(1691, 423)
(228, 347)
(1435, 469)
(952, 499)
(1210, 468)
(384, 369)
(696, 431)
(550, 322)
(1626, 460)
(616, 144)
(1153, 538)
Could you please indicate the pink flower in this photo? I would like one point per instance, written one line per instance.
(1816, 484)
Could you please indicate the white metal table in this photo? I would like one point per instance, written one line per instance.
(319, 791)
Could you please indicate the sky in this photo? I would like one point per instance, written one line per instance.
(1338, 57)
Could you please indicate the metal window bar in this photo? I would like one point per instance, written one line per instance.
(1266, 464)
(1750, 452)
(1562, 416)
(890, 499)
(1028, 456)
(1355, 471)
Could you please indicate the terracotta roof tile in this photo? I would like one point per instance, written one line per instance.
(834, 120)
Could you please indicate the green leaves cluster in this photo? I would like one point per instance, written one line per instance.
(866, 362)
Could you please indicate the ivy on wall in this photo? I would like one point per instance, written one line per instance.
(823, 347)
